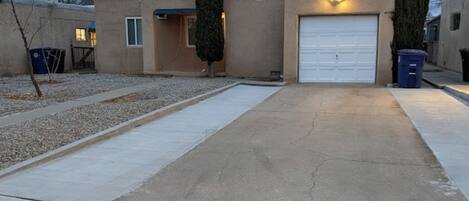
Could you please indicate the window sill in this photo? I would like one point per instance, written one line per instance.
(134, 46)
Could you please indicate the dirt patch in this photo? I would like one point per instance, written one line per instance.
(43, 82)
(123, 99)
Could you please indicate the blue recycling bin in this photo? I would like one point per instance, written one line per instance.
(411, 63)
(39, 57)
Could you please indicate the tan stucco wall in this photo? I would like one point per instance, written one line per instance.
(151, 45)
(451, 41)
(58, 31)
(250, 52)
(114, 56)
(254, 38)
(296, 8)
(165, 48)
(172, 53)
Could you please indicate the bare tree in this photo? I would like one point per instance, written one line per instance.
(27, 43)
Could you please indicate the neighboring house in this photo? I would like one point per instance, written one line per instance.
(62, 26)
(454, 33)
(305, 41)
(432, 39)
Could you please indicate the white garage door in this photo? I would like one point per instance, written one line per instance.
(338, 49)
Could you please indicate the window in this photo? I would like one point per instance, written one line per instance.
(134, 31)
(191, 28)
(93, 39)
(80, 34)
(455, 21)
(435, 33)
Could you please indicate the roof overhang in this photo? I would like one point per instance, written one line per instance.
(175, 11)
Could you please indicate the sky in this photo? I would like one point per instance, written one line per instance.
(435, 8)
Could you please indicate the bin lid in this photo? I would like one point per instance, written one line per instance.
(412, 52)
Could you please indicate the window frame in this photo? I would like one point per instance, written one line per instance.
(453, 26)
(187, 18)
(84, 35)
(136, 45)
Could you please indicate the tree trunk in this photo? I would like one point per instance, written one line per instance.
(26, 47)
(211, 70)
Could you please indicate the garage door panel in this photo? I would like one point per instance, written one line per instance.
(364, 76)
(338, 49)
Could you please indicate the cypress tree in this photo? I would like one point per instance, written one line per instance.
(210, 39)
(409, 21)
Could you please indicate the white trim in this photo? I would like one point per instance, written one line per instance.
(135, 32)
(186, 20)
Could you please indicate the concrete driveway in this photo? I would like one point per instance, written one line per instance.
(309, 143)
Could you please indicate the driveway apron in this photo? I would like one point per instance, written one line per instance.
(309, 143)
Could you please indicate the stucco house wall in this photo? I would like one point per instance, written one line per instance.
(451, 41)
(261, 36)
(250, 52)
(254, 38)
(164, 46)
(382, 8)
(114, 56)
(58, 31)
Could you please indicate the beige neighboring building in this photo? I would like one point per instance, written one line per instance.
(306, 41)
(59, 25)
(454, 33)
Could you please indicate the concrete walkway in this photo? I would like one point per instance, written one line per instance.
(448, 80)
(444, 124)
(107, 170)
(56, 108)
(309, 143)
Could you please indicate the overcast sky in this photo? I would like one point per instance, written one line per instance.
(435, 8)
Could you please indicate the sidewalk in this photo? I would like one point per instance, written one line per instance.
(442, 122)
(53, 109)
(448, 80)
(107, 170)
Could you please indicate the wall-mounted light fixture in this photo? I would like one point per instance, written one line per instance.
(336, 2)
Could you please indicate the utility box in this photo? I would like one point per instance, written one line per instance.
(411, 63)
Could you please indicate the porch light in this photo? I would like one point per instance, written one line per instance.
(336, 2)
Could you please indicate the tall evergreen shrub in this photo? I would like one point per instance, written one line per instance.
(409, 22)
(210, 41)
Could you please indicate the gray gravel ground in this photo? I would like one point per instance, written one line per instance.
(24, 141)
(18, 95)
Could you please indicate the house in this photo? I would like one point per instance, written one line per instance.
(305, 41)
(454, 32)
(57, 26)
(432, 39)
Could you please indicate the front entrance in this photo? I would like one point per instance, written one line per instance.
(338, 49)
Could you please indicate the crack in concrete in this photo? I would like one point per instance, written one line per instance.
(19, 197)
(314, 176)
(310, 132)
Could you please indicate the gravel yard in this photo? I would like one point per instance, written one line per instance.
(23, 141)
(17, 93)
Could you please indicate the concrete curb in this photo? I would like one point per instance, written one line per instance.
(450, 90)
(436, 85)
(108, 133)
(264, 84)
(457, 93)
